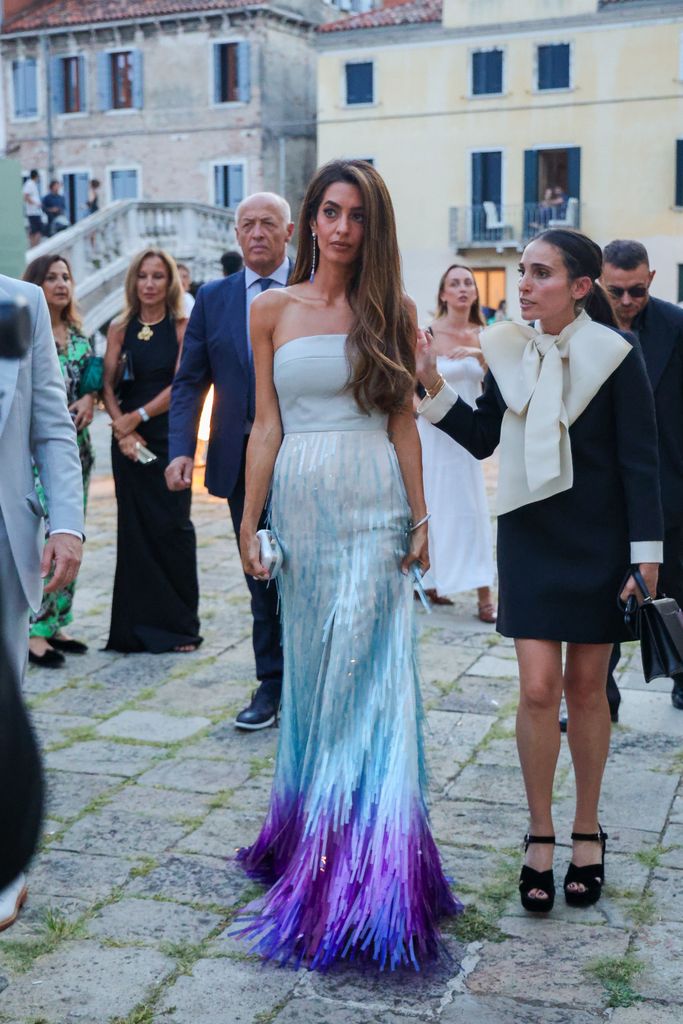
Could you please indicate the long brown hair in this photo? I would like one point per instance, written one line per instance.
(175, 304)
(475, 315)
(37, 271)
(381, 342)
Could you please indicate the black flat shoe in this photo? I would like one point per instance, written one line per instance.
(51, 659)
(69, 646)
(677, 697)
(591, 876)
(261, 713)
(531, 879)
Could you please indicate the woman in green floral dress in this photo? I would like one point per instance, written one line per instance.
(47, 637)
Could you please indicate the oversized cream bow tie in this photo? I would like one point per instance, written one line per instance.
(546, 381)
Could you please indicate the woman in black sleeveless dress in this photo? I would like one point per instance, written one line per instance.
(156, 595)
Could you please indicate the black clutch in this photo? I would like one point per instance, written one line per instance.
(658, 624)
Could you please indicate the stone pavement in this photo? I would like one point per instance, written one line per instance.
(151, 789)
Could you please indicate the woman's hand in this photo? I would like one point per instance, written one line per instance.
(127, 446)
(650, 572)
(250, 550)
(463, 352)
(83, 411)
(425, 361)
(418, 551)
(125, 424)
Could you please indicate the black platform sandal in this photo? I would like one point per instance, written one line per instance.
(531, 879)
(591, 876)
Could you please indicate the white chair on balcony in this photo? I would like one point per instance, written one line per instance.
(493, 221)
(571, 216)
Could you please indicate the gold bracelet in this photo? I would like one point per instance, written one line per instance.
(438, 387)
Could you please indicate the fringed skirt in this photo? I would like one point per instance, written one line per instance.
(346, 844)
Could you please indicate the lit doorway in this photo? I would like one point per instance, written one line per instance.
(491, 285)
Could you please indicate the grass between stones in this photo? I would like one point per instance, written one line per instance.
(617, 975)
(21, 953)
(480, 922)
(651, 856)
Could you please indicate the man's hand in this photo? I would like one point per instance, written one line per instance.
(179, 473)
(65, 552)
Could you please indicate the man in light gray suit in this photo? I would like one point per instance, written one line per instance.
(35, 426)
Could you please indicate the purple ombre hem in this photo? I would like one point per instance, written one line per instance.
(363, 891)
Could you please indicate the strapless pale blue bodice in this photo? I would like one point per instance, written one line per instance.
(310, 376)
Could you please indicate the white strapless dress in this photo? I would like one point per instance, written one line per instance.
(460, 538)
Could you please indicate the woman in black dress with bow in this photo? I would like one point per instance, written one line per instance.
(154, 606)
(578, 504)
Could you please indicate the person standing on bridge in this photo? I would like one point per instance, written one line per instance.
(217, 351)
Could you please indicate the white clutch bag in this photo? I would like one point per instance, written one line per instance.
(270, 552)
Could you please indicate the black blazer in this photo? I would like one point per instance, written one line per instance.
(660, 331)
(561, 560)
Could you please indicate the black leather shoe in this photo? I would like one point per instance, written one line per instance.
(51, 659)
(677, 696)
(68, 646)
(261, 713)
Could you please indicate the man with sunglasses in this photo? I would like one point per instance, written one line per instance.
(658, 326)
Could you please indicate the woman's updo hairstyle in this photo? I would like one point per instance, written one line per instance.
(583, 258)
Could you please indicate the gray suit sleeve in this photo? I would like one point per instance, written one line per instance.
(53, 435)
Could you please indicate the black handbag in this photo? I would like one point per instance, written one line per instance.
(658, 624)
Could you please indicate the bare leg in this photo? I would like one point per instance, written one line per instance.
(538, 738)
(588, 733)
(485, 607)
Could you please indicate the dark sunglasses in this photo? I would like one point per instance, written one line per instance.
(636, 292)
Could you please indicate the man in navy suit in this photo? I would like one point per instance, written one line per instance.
(217, 351)
(658, 326)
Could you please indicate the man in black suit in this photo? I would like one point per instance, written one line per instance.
(217, 350)
(658, 326)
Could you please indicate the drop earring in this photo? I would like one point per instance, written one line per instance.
(315, 256)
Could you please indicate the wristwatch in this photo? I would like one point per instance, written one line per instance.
(143, 414)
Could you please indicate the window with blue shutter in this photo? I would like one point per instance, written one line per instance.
(231, 72)
(137, 79)
(553, 66)
(104, 79)
(25, 87)
(360, 83)
(228, 184)
(71, 80)
(678, 199)
(57, 85)
(124, 184)
(487, 72)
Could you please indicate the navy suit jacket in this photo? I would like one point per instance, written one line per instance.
(660, 329)
(215, 351)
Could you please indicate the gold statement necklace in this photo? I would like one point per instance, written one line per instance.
(146, 332)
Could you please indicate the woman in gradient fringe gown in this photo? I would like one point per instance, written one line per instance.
(346, 844)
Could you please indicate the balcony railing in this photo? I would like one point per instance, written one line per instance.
(492, 226)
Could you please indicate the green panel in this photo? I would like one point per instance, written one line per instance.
(13, 240)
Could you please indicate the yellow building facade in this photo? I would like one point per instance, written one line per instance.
(491, 119)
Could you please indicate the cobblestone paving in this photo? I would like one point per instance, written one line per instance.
(151, 789)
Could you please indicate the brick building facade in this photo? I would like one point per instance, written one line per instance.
(198, 100)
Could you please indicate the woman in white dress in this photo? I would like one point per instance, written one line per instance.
(460, 539)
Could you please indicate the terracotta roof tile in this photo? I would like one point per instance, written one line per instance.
(410, 12)
(53, 13)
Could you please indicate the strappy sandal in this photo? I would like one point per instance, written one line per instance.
(486, 612)
(436, 598)
(591, 876)
(530, 879)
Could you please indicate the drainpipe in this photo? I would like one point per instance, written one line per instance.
(45, 48)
